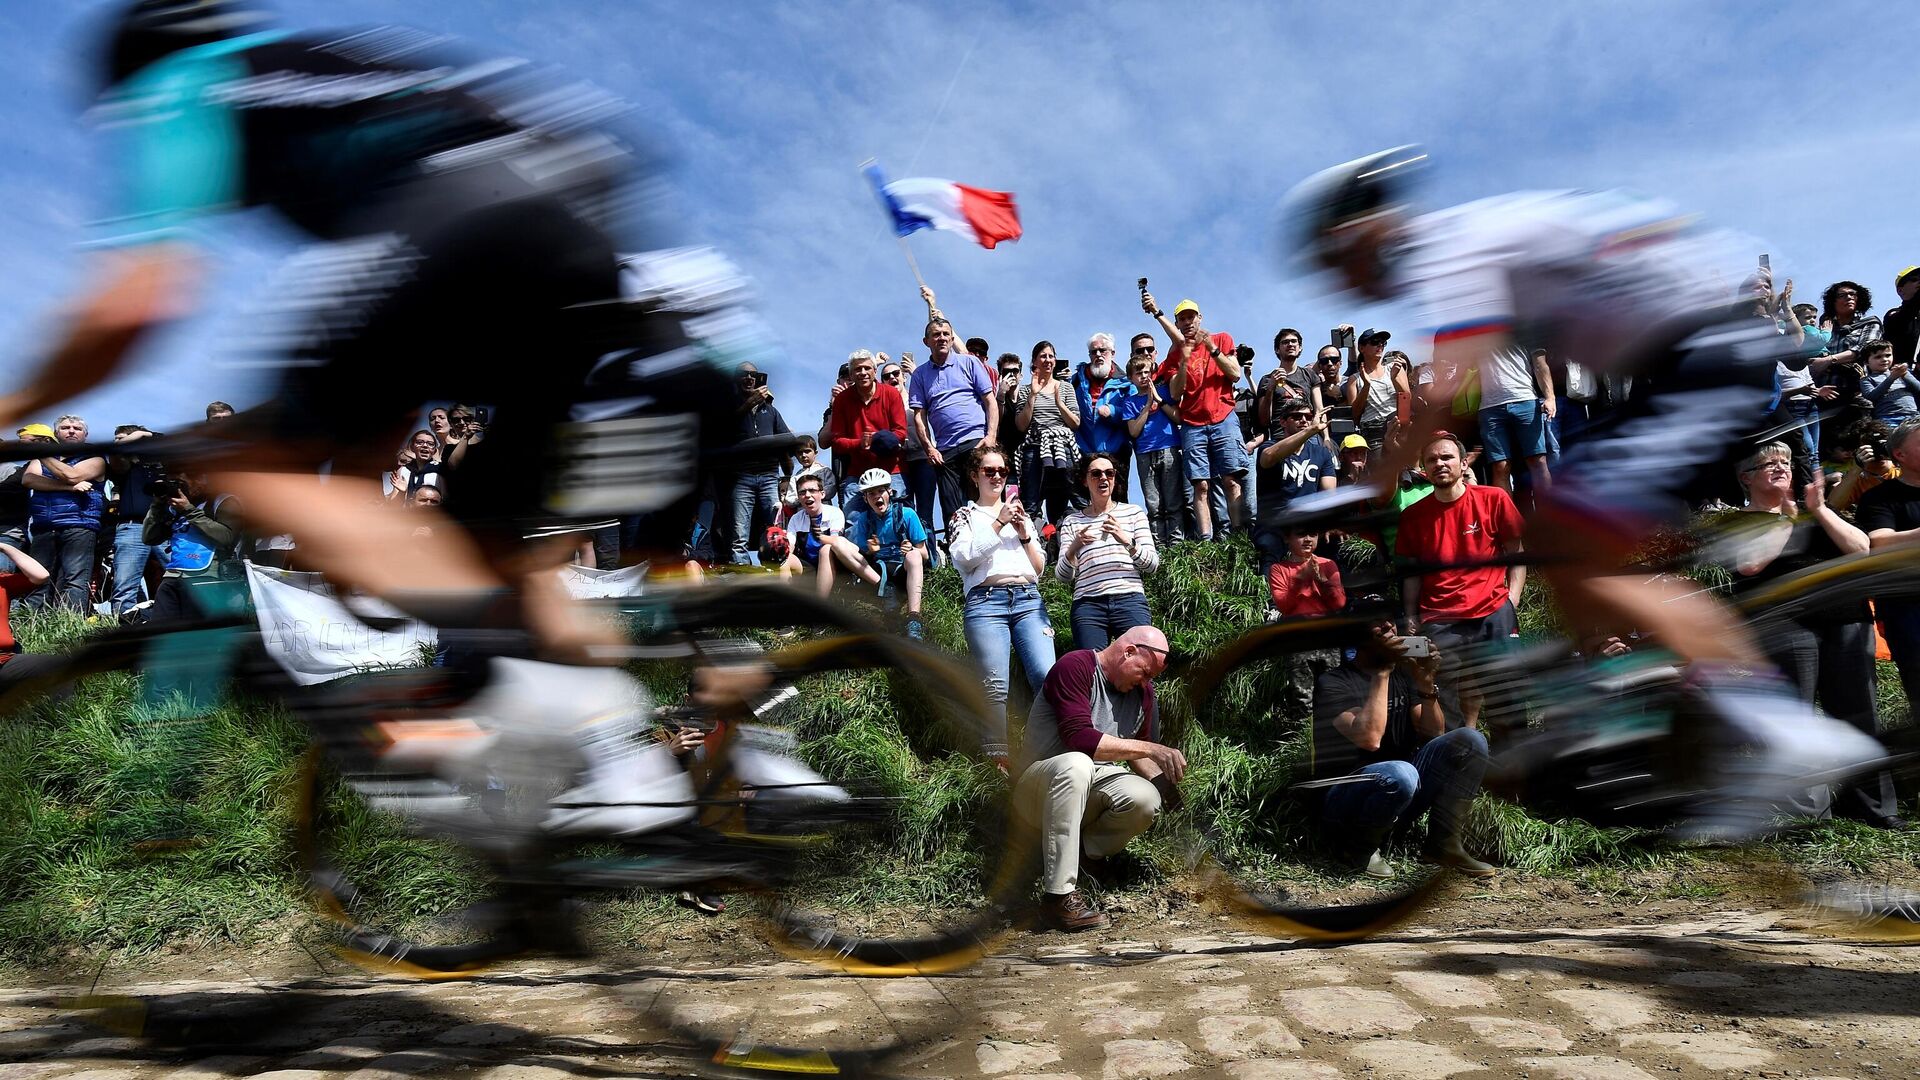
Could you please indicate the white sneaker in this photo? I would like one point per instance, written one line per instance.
(1777, 746)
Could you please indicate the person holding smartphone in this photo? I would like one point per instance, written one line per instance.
(996, 547)
(1384, 714)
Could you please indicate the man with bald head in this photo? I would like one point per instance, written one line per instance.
(1095, 778)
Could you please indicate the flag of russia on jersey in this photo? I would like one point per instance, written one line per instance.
(985, 217)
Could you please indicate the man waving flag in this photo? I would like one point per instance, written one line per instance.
(985, 217)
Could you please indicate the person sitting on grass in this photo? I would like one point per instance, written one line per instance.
(27, 575)
(818, 529)
(1382, 714)
(891, 537)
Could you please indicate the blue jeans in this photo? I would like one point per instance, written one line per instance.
(1213, 450)
(1445, 771)
(754, 500)
(1097, 620)
(1164, 488)
(999, 620)
(1516, 430)
(921, 483)
(68, 556)
(129, 566)
(18, 538)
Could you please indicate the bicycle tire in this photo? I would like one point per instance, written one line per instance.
(1251, 901)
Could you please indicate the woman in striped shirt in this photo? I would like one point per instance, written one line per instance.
(1105, 549)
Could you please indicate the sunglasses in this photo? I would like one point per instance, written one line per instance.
(1152, 649)
(1099, 474)
(1099, 351)
(891, 376)
(993, 470)
(1144, 350)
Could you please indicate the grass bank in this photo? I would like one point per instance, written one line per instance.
(88, 784)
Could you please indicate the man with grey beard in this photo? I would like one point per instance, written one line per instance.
(1100, 390)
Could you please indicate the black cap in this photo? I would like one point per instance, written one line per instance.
(1374, 335)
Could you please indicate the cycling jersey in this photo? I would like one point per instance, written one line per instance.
(1589, 274)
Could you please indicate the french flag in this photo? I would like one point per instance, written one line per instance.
(985, 217)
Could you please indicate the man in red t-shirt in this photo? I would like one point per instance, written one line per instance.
(1202, 371)
(26, 576)
(868, 423)
(1461, 523)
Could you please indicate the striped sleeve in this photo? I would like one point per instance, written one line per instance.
(1105, 566)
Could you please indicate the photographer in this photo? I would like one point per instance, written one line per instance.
(133, 478)
(196, 537)
(1872, 464)
(752, 500)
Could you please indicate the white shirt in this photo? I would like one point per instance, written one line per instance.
(1580, 273)
(982, 552)
(833, 522)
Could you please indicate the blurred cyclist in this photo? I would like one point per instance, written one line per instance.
(1626, 285)
(469, 210)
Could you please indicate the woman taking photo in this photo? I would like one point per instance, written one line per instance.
(1826, 651)
(996, 547)
(1105, 552)
(1047, 417)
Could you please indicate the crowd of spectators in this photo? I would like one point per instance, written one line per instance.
(1002, 467)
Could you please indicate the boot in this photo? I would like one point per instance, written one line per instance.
(1071, 912)
(1358, 850)
(1443, 839)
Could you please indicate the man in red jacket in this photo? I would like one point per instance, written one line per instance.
(868, 423)
(1461, 523)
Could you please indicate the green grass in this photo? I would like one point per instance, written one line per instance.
(84, 781)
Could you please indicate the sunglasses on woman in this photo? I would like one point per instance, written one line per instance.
(993, 470)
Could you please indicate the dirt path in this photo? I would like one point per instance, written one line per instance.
(1506, 990)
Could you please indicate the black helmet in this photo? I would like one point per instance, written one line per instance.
(1333, 197)
(148, 30)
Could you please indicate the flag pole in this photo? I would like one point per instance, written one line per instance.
(907, 250)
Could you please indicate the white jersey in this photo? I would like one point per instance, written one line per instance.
(1579, 273)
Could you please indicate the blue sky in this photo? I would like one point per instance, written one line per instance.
(1141, 139)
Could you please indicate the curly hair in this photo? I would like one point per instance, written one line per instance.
(1826, 298)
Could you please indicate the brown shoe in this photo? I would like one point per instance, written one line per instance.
(1071, 913)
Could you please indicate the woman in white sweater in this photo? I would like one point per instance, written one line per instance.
(996, 547)
(1106, 551)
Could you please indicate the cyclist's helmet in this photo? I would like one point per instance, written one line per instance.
(149, 30)
(1360, 188)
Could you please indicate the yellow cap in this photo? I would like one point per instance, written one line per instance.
(1903, 275)
(1354, 442)
(1185, 305)
(41, 430)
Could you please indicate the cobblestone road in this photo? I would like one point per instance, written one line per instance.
(1732, 996)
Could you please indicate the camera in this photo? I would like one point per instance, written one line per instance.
(1243, 353)
(166, 488)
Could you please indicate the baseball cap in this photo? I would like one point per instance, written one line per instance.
(1374, 335)
(1900, 278)
(886, 445)
(41, 430)
(1354, 442)
(1185, 305)
(875, 478)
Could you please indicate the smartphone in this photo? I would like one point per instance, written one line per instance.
(482, 415)
(1342, 339)
(757, 379)
(1013, 492)
(1418, 647)
(1766, 262)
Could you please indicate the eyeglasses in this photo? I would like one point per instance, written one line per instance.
(1153, 649)
(1099, 350)
(1099, 474)
(993, 470)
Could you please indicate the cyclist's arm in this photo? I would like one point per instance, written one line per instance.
(134, 291)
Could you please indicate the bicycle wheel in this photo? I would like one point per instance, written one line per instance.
(1251, 807)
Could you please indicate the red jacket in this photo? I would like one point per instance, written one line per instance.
(851, 420)
(1297, 595)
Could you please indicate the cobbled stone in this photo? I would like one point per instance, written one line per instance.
(1448, 991)
(1234, 1037)
(995, 1057)
(1129, 1058)
(1707, 1049)
(1510, 1034)
(1605, 1010)
(1404, 1059)
(1282, 1070)
(1341, 1010)
(1587, 1068)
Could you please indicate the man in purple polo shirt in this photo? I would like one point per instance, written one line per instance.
(951, 397)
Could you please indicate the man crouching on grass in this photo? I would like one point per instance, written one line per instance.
(1095, 777)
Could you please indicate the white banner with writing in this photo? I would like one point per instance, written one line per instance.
(585, 583)
(310, 634)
